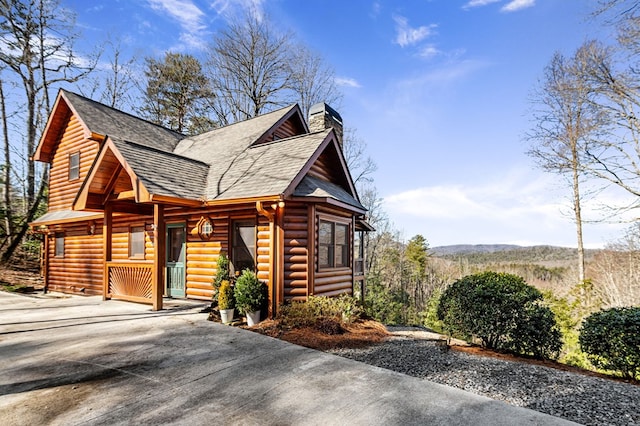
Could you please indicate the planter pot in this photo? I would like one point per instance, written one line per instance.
(226, 315)
(253, 318)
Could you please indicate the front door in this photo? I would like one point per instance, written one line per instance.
(176, 235)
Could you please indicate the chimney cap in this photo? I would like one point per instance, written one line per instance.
(324, 108)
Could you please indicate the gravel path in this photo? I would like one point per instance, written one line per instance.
(576, 397)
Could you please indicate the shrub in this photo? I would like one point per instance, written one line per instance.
(503, 312)
(249, 292)
(222, 274)
(611, 339)
(318, 309)
(226, 299)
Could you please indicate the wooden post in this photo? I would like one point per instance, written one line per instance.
(279, 243)
(159, 256)
(107, 240)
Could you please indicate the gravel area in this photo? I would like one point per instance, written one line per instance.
(583, 399)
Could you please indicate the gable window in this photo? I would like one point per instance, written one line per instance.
(333, 244)
(136, 242)
(59, 246)
(243, 249)
(74, 166)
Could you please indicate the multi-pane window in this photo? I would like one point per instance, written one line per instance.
(358, 253)
(74, 166)
(333, 244)
(59, 247)
(243, 250)
(136, 241)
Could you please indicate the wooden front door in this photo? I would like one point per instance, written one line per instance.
(176, 247)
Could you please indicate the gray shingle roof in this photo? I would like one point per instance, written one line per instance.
(165, 173)
(313, 187)
(108, 121)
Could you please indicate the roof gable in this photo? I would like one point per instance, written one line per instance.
(99, 121)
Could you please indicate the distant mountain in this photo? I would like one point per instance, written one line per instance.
(471, 248)
(500, 253)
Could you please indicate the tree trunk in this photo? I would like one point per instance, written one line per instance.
(8, 210)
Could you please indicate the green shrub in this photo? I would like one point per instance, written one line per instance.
(611, 339)
(382, 304)
(222, 274)
(226, 299)
(249, 292)
(503, 312)
(344, 309)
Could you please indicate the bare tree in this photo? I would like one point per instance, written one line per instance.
(312, 80)
(249, 70)
(564, 119)
(359, 162)
(36, 48)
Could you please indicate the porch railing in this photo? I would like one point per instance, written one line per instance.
(131, 281)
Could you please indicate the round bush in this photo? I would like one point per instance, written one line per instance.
(611, 340)
(503, 311)
(249, 292)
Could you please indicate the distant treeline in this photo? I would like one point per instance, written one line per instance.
(520, 255)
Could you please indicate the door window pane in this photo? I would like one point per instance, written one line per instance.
(243, 254)
(175, 245)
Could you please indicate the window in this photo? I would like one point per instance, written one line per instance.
(358, 253)
(136, 241)
(59, 248)
(204, 228)
(74, 166)
(333, 244)
(243, 250)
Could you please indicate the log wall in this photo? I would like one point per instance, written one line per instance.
(296, 252)
(80, 270)
(62, 191)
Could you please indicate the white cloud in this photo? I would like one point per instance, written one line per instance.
(516, 5)
(429, 52)
(406, 35)
(347, 82)
(511, 6)
(231, 8)
(521, 207)
(478, 3)
(189, 17)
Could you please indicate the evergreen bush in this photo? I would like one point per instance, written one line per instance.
(222, 273)
(249, 292)
(611, 339)
(226, 299)
(503, 312)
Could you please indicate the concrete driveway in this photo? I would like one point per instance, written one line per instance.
(79, 360)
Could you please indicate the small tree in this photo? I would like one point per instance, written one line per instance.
(222, 274)
(611, 340)
(503, 312)
(249, 292)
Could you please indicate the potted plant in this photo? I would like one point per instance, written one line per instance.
(222, 274)
(226, 302)
(250, 295)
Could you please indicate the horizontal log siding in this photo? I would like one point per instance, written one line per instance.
(323, 169)
(202, 256)
(336, 281)
(263, 255)
(296, 238)
(80, 270)
(62, 191)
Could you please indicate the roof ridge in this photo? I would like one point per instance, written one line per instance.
(193, 160)
(290, 138)
(124, 112)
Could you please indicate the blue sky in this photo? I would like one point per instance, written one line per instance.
(438, 89)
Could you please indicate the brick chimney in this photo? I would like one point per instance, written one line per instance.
(322, 117)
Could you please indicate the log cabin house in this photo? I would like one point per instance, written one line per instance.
(137, 211)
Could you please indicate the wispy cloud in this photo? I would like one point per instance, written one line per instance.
(511, 6)
(429, 51)
(515, 5)
(406, 35)
(230, 8)
(478, 3)
(347, 82)
(189, 17)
